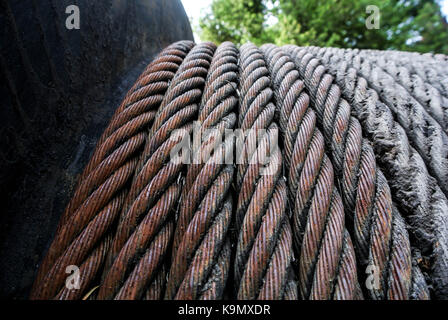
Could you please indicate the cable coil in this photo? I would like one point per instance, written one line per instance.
(264, 173)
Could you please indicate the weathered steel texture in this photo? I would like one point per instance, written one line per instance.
(364, 188)
(279, 219)
(427, 95)
(425, 134)
(327, 268)
(420, 198)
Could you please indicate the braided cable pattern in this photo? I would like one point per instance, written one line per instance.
(142, 224)
(327, 267)
(429, 68)
(424, 133)
(87, 271)
(97, 199)
(201, 252)
(146, 228)
(364, 188)
(428, 96)
(264, 245)
(417, 193)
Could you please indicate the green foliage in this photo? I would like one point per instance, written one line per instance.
(235, 20)
(416, 25)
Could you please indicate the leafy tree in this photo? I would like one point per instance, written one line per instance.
(235, 20)
(416, 25)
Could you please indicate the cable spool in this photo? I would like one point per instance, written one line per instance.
(277, 222)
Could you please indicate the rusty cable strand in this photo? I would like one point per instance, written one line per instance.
(379, 240)
(424, 133)
(146, 226)
(327, 266)
(201, 240)
(97, 198)
(428, 96)
(264, 247)
(418, 194)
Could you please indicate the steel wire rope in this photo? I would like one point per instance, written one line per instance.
(201, 249)
(326, 257)
(428, 96)
(424, 133)
(417, 193)
(264, 246)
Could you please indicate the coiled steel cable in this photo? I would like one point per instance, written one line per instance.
(327, 266)
(201, 249)
(424, 133)
(418, 194)
(264, 246)
(173, 223)
(381, 244)
(146, 225)
(97, 198)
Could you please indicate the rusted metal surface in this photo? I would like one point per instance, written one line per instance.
(414, 189)
(155, 188)
(327, 268)
(201, 237)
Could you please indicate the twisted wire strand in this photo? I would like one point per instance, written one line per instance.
(145, 229)
(364, 188)
(425, 134)
(428, 96)
(318, 219)
(157, 286)
(95, 203)
(173, 224)
(417, 193)
(264, 246)
(201, 252)
(217, 113)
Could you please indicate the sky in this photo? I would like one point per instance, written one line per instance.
(194, 7)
